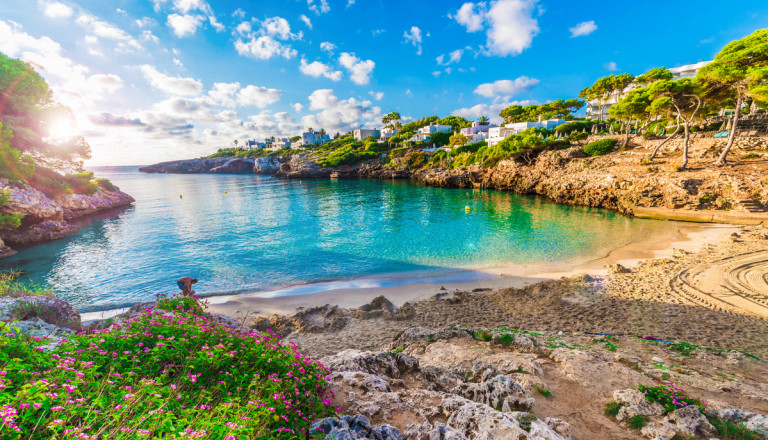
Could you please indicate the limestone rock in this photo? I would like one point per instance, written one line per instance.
(687, 421)
(634, 404)
(752, 421)
(381, 307)
(423, 335)
(353, 428)
(500, 392)
(427, 431)
(389, 364)
(47, 308)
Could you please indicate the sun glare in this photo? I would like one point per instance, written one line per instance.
(62, 128)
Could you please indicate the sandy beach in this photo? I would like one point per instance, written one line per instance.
(704, 285)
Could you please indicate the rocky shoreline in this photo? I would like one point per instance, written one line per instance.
(620, 181)
(47, 218)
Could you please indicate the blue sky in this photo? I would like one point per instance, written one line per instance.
(153, 80)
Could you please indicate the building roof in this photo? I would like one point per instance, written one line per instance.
(689, 67)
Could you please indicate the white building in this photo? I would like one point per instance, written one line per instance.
(311, 138)
(477, 132)
(363, 133)
(593, 107)
(687, 71)
(386, 133)
(497, 134)
(424, 134)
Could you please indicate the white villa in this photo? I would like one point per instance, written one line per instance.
(311, 138)
(363, 133)
(477, 132)
(497, 134)
(424, 134)
(386, 133)
(593, 107)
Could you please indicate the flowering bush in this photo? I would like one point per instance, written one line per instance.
(169, 373)
(670, 397)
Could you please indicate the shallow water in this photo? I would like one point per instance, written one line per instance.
(238, 233)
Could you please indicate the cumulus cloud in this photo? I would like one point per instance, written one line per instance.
(471, 16)
(611, 66)
(327, 46)
(359, 71)
(102, 83)
(298, 107)
(414, 37)
(106, 118)
(490, 110)
(340, 115)
(509, 24)
(170, 84)
(98, 28)
(258, 96)
(306, 20)
(317, 69)
(224, 93)
(56, 9)
(376, 95)
(239, 13)
(184, 25)
(583, 28)
(267, 41)
(321, 7)
(453, 57)
(505, 87)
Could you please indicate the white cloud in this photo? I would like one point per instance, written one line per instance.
(298, 107)
(471, 15)
(55, 9)
(359, 71)
(243, 28)
(510, 25)
(264, 48)
(611, 66)
(258, 96)
(317, 69)
(327, 46)
(184, 6)
(490, 110)
(321, 7)
(306, 20)
(264, 43)
(505, 87)
(409, 93)
(376, 95)
(171, 84)
(239, 13)
(102, 83)
(583, 28)
(184, 25)
(177, 62)
(350, 3)
(453, 57)
(149, 36)
(339, 115)
(414, 37)
(99, 28)
(215, 23)
(144, 22)
(224, 93)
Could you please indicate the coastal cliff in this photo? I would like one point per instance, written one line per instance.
(50, 217)
(621, 181)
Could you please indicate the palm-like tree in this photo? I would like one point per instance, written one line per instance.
(483, 120)
(235, 143)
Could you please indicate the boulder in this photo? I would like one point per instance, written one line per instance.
(685, 422)
(381, 307)
(353, 428)
(388, 364)
(49, 309)
(753, 421)
(427, 431)
(499, 392)
(234, 166)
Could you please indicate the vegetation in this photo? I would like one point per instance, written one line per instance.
(8, 221)
(160, 375)
(734, 431)
(637, 422)
(612, 408)
(9, 287)
(546, 392)
(669, 397)
(532, 113)
(599, 148)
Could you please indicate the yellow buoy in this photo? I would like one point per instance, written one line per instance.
(225, 192)
(180, 196)
(467, 208)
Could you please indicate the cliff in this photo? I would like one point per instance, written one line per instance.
(622, 181)
(48, 218)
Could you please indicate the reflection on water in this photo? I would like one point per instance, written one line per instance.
(244, 233)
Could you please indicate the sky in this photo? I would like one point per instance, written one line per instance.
(156, 80)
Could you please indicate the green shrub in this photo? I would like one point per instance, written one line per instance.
(612, 408)
(160, 375)
(637, 422)
(482, 335)
(750, 156)
(82, 183)
(577, 136)
(685, 348)
(505, 339)
(734, 431)
(669, 397)
(599, 148)
(415, 160)
(8, 221)
(546, 392)
(106, 184)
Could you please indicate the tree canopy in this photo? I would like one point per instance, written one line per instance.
(27, 109)
(531, 113)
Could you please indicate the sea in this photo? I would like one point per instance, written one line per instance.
(272, 236)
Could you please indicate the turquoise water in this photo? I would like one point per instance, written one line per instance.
(238, 233)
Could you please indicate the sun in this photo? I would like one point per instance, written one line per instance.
(63, 128)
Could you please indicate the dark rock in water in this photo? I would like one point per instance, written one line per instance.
(50, 309)
(234, 166)
(353, 428)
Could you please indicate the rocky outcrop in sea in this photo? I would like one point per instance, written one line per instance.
(49, 218)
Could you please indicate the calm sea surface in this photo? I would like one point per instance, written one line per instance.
(252, 233)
